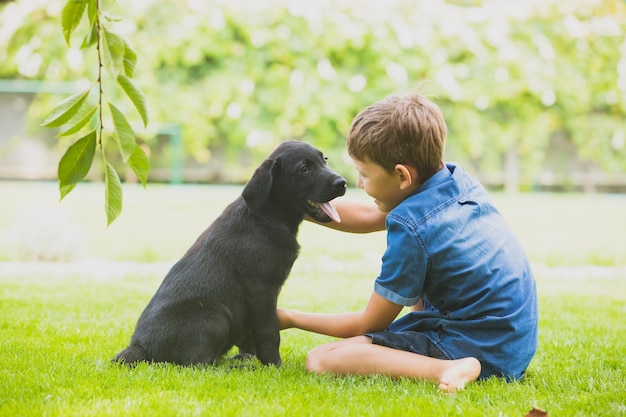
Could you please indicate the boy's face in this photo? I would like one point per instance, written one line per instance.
(388, 188)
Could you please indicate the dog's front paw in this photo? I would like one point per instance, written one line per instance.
(276, 361)
(243, 357)
(276, 364)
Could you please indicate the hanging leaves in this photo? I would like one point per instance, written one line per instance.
(70, 17)
(130, 60)
(65, 110)
(135, 95)
(123, 133)
(77, 160)
(76, 113)
(113, 51)
(91, 38)
(139, 164)
(112, 193)
(77, 122)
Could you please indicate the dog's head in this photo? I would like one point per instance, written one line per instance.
(295, 177)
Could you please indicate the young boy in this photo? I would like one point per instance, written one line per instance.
(450, 255)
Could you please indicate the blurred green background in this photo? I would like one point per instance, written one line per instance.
(160, 223)
(534, 92)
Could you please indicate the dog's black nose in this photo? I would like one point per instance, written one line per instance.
(339, 184)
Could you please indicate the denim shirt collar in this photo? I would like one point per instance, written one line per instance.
(450, 172)
(449, 183)
(439, 177)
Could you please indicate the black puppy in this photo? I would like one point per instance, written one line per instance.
(223, 291)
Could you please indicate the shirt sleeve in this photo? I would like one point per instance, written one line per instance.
(404, 267)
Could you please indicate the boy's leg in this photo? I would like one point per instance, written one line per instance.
(357, 355)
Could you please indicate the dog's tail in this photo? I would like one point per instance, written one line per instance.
(131, 355)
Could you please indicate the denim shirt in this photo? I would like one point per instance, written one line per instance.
(449, 244)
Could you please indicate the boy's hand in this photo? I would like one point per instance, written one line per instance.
(284, 319)
(377, 316)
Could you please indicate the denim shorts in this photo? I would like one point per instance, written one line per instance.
(414, 342)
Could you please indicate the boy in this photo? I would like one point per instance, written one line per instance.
(449, 254)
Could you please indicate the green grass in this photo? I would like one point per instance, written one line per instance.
(60, 324)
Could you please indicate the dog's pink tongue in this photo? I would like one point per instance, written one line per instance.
(330, 211)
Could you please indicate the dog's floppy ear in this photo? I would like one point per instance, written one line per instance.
(257, 190)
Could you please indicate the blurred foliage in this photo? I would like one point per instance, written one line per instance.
(240, 76)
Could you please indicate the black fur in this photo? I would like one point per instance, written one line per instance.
(223, 291)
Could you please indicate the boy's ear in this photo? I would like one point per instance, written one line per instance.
(407, 175)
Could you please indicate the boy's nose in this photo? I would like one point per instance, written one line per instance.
(359, 182)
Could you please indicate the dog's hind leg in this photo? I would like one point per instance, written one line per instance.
(202, 333)
(131, 355)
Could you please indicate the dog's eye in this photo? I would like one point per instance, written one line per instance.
(304, 168)
(326, 160)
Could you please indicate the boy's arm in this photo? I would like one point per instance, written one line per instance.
(377, 316)
(356, 216)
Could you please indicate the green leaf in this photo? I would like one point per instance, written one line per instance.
(92, 11)
(77, 160)
(139, 164)
(70, 17)
(135, 95)
(92, 37)
(66, 109)
(110, 18)
(123, 133)
(113, 51)
(66, 189)
(130, 59)
(77, 122)
(112, 194)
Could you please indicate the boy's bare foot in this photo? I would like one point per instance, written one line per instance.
(458, 373)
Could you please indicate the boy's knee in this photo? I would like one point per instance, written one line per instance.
(313, 361)
(317, 360)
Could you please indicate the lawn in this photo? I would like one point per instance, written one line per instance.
(61, 322)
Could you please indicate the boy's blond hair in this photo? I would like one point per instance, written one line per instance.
(404, 129)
